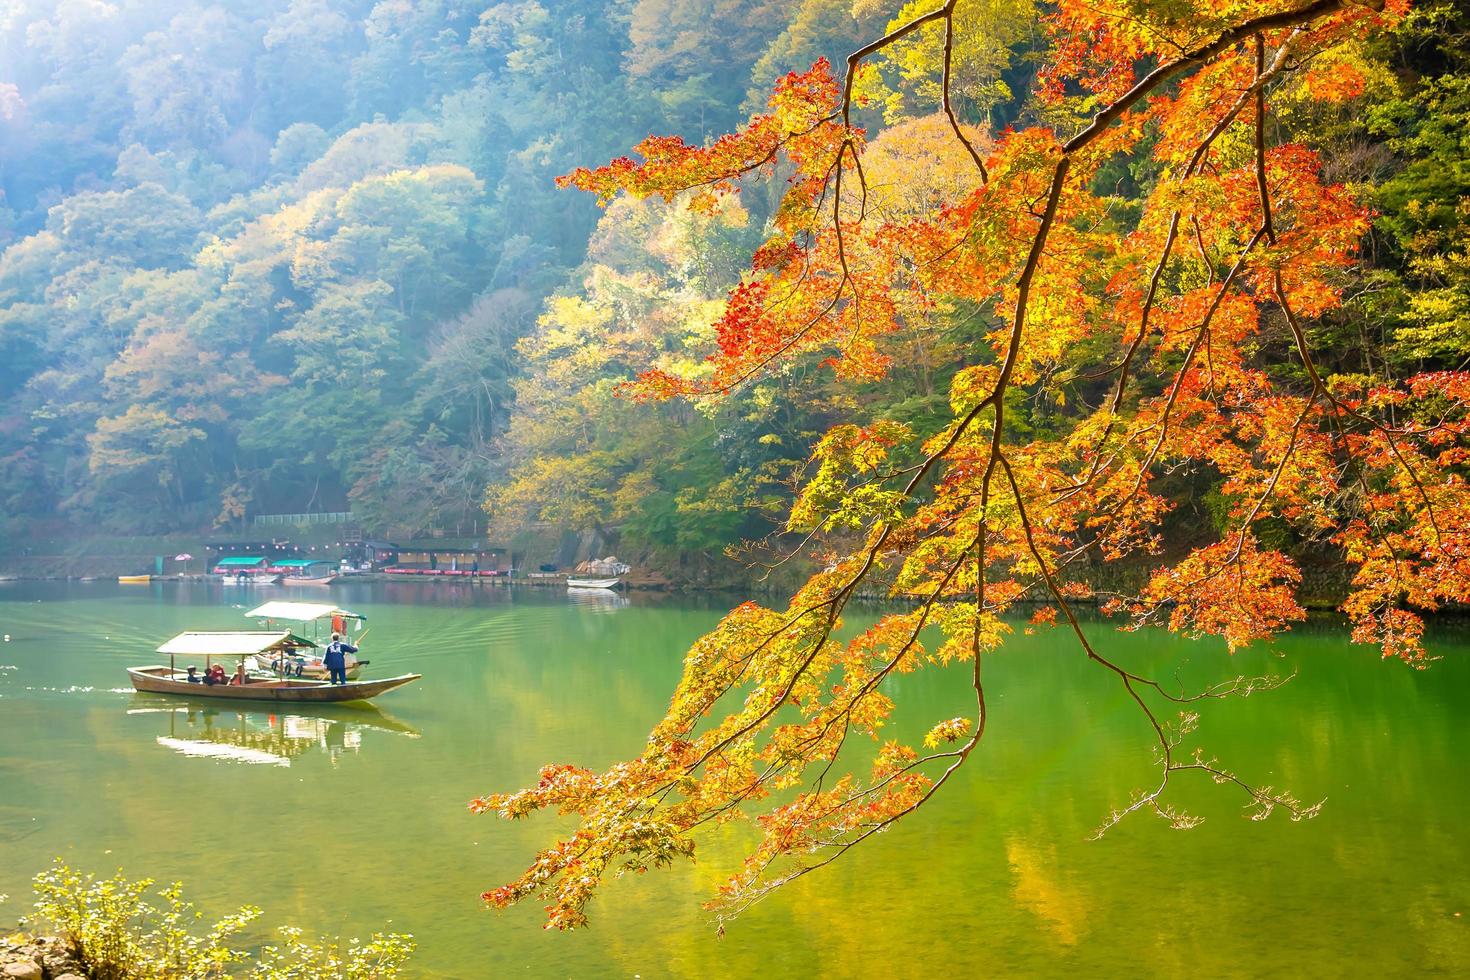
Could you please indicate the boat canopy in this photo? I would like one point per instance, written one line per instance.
(301, 612)
(302, 562)
(240, 643)
(240, 561)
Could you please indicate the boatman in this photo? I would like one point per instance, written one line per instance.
(336, 658)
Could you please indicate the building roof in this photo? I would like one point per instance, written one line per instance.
(239, 560)
(238, 643)
(302, 562)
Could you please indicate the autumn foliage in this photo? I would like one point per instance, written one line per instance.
(1190, 316)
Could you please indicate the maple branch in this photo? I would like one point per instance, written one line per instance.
(1223, 42)
(845, 713)
(1231, 561)
(1199, 239)
(1263, 75)
(996, 398)
(1260, 137)
(1299, 338)
(954, 123)
(1163, 422)
(837, 820)
(856, 58)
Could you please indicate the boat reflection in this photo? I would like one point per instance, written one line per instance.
(596, 600)
(227, 733)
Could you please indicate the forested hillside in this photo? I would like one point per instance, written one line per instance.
(275, 256)
(292, 256)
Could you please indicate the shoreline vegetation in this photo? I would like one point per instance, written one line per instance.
(126, 929)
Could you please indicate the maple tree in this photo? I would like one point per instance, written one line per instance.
(1170, 338)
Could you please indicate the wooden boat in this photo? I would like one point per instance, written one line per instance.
(241, 645)
(134, 579)
(301, 580)
(593, 583)
(158, 679)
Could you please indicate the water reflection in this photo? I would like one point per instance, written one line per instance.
(259, 737)
(597, 600)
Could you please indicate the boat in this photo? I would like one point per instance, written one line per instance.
(598, 573)
(243, 645)
(593, 583)
(305, 571)
(321, 619)
(158, 679)
(244, 579)
(134, 579)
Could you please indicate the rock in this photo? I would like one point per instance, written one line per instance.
(68, 976)
(60, 964)
(23, 970)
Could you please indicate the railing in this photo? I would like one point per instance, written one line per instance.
(276, 520)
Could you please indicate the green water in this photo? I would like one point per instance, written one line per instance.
(345, 821)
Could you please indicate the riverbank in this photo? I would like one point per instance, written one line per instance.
(1324, 585)
(25, 957)
(1323, 589)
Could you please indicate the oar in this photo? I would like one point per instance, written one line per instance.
(359, 643)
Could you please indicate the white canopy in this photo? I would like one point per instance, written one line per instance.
(301, 612)
(234, 644)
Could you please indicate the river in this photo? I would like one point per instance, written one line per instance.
(345, 821)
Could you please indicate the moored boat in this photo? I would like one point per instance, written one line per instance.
(301, 580)
(598, 573)
(134, 579)
(593, 583)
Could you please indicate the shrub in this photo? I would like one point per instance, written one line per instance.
(111, 927)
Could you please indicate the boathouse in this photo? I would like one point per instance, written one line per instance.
(242, 565)
(303, 567)
(454, 562)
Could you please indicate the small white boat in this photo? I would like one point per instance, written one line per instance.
(593, 583)
(301, 580)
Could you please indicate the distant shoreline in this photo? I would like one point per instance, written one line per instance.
(652, 584)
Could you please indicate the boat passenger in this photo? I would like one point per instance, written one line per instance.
(239, 679)
(336, 658)
(216, 675)
(194, 677)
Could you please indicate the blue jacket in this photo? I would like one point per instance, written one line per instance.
(336, 654)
